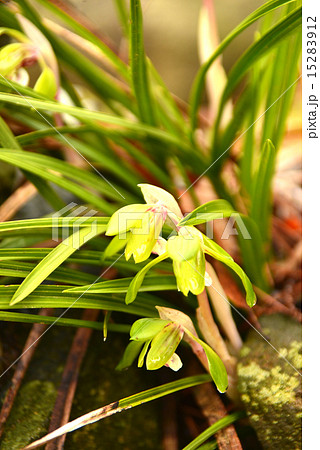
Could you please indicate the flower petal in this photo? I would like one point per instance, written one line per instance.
(46, 83)
(126, 218)
(181, 248)
(190, 274)
(153, 194)
(146, 329)
(160, 246)
(163, 346)
(174, 315)
(143, 239)
(174, 363)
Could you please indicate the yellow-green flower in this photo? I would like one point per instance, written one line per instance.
(141, 224)
(32, 47)
(187, 253)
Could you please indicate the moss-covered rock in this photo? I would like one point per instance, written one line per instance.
(29, 419)
(98, 385)
(270, 382)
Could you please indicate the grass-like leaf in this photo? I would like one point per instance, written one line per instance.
(250, 294)
(138, 279)
(214, 428)
(151, 283)
(22, 160)
(216, 209)
(198, 85)
(138, 64)
(85, 114)
(47, 296)
(53, 260)
(66, 275)
(258, 49)
(19, 317)
(261, 200)
(123, 404)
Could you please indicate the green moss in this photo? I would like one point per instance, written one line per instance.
(269, 386)
(294, 354)
(30, 416)
(278, 387)
(283, 352)
(253, 373)
(244, 351)
(255, 417)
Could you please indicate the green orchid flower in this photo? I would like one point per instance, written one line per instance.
(140, 225)
(188, 256)
(32, 47)
(157, 339)
(138, 228)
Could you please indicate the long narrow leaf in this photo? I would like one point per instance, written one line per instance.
(258, 49)
(250, 294)
(261, 201)
(19, 317)
(198, 85)
(138, 64)
(22, 160)
(7, 139)
(151, 283)
(82, 113)
(47, 296)
(62, 274)
(121, 405)
(214, 428)
(53, 260)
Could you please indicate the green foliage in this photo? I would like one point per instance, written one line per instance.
(133, 130)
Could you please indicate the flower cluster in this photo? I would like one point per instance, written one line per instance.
(140, 226)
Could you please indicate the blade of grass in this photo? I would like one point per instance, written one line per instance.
(82, 31)
(24, 161)
(123, 404)
(82, 113)
(53, 297)
(123, 15)
(214, 428)
(67, 170)
(62, 274)
(138, 65)
(261, 200)
(199, 82)
(69, 222)
(7, 139)
(7, 316)
(258, 49)
(53, 260)
(151, 283)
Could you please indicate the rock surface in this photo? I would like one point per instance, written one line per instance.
(99, 384)
(270, 382)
